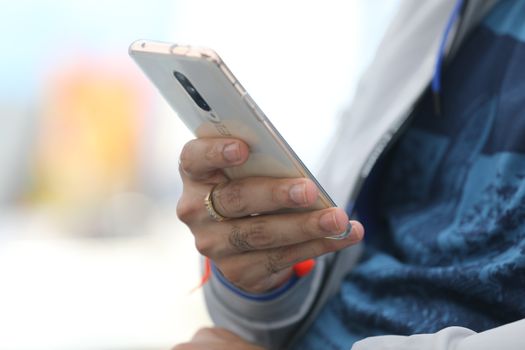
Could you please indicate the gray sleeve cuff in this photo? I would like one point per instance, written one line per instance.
(267, 323)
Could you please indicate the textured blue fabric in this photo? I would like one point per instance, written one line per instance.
(445, 209)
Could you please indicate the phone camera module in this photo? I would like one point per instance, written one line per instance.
(190, 89)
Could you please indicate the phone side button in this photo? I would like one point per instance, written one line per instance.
(251, 104)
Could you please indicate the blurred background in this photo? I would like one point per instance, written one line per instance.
(92, 255)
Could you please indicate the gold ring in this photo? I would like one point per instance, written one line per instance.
(208, 203)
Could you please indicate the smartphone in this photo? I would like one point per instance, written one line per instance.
(212, 103)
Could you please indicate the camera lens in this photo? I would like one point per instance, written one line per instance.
(190, 89)
(180, 77)
(202, 104)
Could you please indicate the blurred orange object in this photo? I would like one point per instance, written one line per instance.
(304, 268)
(89, 134)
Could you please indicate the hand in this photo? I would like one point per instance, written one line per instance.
(255, 253)
(216, 339)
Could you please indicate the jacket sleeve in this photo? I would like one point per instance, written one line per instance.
(509, 337)
(276, 322)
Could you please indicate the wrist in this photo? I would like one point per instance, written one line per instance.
(282, 284)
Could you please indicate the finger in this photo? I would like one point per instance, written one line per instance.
(251, 271)
(214, 333)
(240, 198)
(254, 195)
(268, 231)
(201, 158)
(215, 338)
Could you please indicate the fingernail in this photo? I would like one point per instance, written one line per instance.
(231, 152)
(345, 234)
(329, 223)
(298, 193)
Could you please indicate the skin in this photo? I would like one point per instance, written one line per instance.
(216, 339)
(255, 253)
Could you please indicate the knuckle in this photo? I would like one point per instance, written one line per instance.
(186, 210)
(258, 235)
(185, 160)
(229, 199)
(214, 152)
(279, 194)
(238, 239)
(271, 267)
(204, 245)
(251, 238)
(309, 226)
(186, 166)
(275, 260)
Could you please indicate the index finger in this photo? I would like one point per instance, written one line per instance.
(201, 158)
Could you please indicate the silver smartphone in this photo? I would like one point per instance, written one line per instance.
(212, 103)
